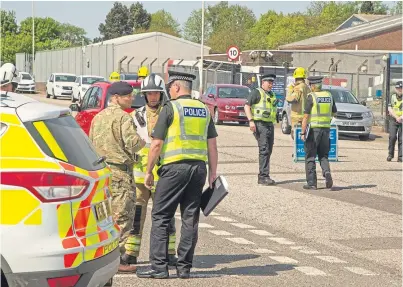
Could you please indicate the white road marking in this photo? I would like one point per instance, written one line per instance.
(280, 240)
(240, 240)
(263, 251)
(283, 259)
(220, 232)
(214, 213)
(331, 259)
(261, 232)
(360, 271)
(205, 225)
(305, 250)
(226, 219)
(310, 271)
(243, 226)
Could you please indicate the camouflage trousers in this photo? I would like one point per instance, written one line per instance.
(123, 203)
(133, 243)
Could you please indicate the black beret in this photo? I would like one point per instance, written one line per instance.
(180, 76)
(120, 88)
(399, 84)
(268, 77)
(315, 79)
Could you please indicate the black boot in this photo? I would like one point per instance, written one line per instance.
(172, 260)
(329, 180)
(184, 274)
(265, 181)
(153, 274)
(389, 158)
(310, 187)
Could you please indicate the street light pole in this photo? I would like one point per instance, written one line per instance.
(33, 39)
(201, 54)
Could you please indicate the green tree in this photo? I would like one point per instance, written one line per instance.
(397, 9)
(117, 22)
(140, 19)
(373, 7)
(73, 35)
(192, 28)
(162, 21)
(8, 23)
(257, 35)
(45, 28)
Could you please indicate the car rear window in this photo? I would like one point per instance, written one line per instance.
(62, 138)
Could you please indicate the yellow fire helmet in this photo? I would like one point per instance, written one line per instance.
(114, 77)
(299, 73)
(143, 72)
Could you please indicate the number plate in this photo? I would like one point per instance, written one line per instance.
(348, 124)
(111, 246)
(242, 114)
(102, 210)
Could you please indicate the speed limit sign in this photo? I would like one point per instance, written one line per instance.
(233, 53)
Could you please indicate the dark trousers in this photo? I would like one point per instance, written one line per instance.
(317, 143)
(395, 133)
(180, 183)
(265, 139)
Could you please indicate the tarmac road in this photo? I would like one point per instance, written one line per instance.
(286, 236)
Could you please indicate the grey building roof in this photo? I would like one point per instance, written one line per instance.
(137, 37)
(347, 35)
(361, 18)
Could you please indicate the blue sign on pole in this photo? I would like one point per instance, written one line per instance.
(396, 59)
(299, 151)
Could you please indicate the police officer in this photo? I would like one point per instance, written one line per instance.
(260, 108)
(184, 138)
(318, 114)
(296, 97)
(145, 118)
(142, 73)
(9, 78)
(114, 136)
(395, 125)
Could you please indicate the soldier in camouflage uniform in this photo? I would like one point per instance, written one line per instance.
(114, 135)
(296, 96)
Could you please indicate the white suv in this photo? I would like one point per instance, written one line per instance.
(81, 85)
(26, 84)
(60, 85)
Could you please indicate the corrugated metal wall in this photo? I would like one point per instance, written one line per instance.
(92, 60)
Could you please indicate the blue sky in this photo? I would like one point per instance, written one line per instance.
(89, 14)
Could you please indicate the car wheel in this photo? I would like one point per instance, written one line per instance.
(47, 94)
(216, 117)
(109, 284)
(363, 137)
(285, 125)
(53, 94)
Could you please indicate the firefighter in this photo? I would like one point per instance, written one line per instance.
(142, 73)
(261, 110)
(9, 77)
(296, 96)
(318, 113)
(145, 118)
(114, 77)
(395, 125)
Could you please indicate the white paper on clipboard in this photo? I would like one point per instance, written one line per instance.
(142, 131)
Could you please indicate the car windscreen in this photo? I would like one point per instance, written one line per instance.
(342, 96)
(63, 139)
(91, 80)
(138, 98)
(26, 77)
(232, 92)
(65, 78)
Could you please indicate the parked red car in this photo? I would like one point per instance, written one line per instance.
(96, 99)
(226, 102)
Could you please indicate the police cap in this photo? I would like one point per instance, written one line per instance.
(180, 76)
(315, 79)
(399, 85)
(268, 77)
(120, 88)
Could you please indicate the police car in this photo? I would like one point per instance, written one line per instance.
(56, 220)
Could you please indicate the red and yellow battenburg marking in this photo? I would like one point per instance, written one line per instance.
(84, 229)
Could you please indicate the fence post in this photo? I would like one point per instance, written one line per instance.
(215, 72)
(311, 66)
(141, 64)
(387, 92)
(128, 63)
(163, 64)
(150, 65)
(120, 64)
(357, 93)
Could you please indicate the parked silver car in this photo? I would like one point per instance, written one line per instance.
(352, 118)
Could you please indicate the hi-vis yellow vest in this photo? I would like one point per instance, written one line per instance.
(396, 105)
(187, 136)
(264, 110)
(140, 168)
(321, 114)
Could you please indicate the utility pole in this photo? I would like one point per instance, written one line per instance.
(33, 40)
(201, 55)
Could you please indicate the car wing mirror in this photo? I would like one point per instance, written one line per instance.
(75, 108)
(210, 96)
(364, 103)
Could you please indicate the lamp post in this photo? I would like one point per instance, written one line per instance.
(201, 54)
(33, 39)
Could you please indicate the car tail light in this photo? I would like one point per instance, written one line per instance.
(67, 281)
(47, 186)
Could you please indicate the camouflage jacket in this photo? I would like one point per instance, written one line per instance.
(114, 135)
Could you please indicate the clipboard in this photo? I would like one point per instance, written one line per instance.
(211, 197)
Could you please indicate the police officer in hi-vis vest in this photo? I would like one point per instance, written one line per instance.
(395, 125)
(184, 139)
(145, 119)
(261, 110)
(318, 114)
